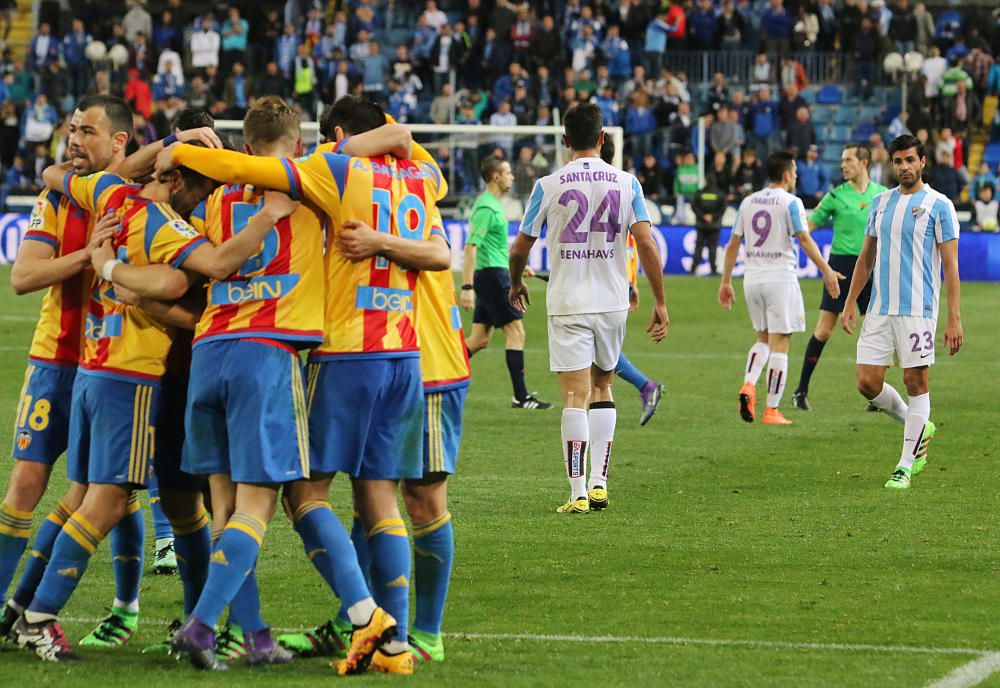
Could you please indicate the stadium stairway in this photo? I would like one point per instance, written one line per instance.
(20, 28)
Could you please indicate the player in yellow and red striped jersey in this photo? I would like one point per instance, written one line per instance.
(115, 397)
(54, 255)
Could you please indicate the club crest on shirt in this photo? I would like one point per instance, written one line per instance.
(918, 211)
(23, 440)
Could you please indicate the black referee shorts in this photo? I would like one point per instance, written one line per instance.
(844, 264)
(492, 287)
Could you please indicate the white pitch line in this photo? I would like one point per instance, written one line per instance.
(672, 640)
(971, 674)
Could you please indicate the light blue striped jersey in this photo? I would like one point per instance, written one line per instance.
(909, 228)
(769, 219)
(586, 209)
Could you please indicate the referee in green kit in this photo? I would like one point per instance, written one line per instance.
(848, 205)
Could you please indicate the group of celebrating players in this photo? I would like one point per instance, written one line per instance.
(342, 253)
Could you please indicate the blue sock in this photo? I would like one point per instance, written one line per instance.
(330, 551)
(41, 552)
(71, 553)
(390, 571)
(15, 529)
(127, 541)
(161, 525)
(628, 372)
(434, 550)
(233, 558)
(244, 610)
(359, 539)
(193, 546)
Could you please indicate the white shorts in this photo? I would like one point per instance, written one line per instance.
(903, 340)
(578, 341)
(776, 307)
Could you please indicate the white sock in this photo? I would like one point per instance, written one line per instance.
(132, 606)
(777, 376)
(361, 611)
(394, 647)
(917, 414)
(602, 418)
(575, 438)
(756, 360)
(889, 401)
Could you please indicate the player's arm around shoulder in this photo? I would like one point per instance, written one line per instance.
(36, 265)
(358, 241)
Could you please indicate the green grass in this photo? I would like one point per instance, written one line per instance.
(717, 530)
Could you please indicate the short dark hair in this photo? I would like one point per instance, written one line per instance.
(191, 118)
(191, 177)
(608, 151)
(583, 123)
(906, 142)
(779, 163)
(269, 120)
(862, 151)
(490, 166)
(353, 114)
(117, 111)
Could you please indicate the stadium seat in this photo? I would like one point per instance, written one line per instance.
(870, 113)
(839, 134)
(831, 154)
(992, 155)
(864, 130)
(829, 95)
(809, 94)
(822, 116)
(845, 115)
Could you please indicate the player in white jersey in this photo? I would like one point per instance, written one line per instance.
(770, 219)
(588, 208)
(912, 233)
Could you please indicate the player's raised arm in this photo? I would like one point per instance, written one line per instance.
(230, 167)
(394, 139)
(141, 164)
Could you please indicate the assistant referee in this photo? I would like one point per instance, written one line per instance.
(487, 251)
(848, 205)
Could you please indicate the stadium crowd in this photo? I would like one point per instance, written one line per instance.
(505, 63)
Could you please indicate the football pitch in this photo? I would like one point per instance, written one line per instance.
(731, 554)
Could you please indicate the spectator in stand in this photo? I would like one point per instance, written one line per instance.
(792, 74)
(685, 185)
(730, 28)
(502, 19)
(749, 176)
(374, 69)
(983, 178)
(722, 135)
(264, 38)
(341, 81)
(271, 83)
(812, 181)
(287, 48)
(313, 28)
(522, 35)
(702, 25)
(44, 48)
(805, 30)
(933, 70)
(548, 44)
(978, 64)
(139, 54)
(525, 173)
(650, 176)
(238, 90)
(721, 175)
(235, 33)
(679, 134)
(503, 117)
(741, 107)
(617, 53)
(761, 74)
(17, 180)
(496, 55)
(944, 178)
(656, 43)
(544, 87)
(776, 27)
(138, 94)
(583, 47)
(102, 85)
(800, 135)
(137, 20)
(789, 106)
(205, 43)
(925, 28)
(54, 83)
(764, 123)
(987, 209)
(963, 112)
(10, 133)
(640, 123)
(865, 54)
(170, 61)
(523, 106)
(443, 105)
(39, 121)
(718, 92)
(77, 64)
(903, 28)
(677, 20)
(608, 102)
(166, 34)
(444, 56)
(166, 83)
(434, 17)
(709, 204)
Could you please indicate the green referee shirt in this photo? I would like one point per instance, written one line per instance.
(849, 210)
(488, 232)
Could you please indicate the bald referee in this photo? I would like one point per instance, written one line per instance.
(848, 205)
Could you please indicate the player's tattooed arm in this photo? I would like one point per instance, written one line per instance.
(357, 241)
(954, 336)
(219, 262)
(862, 271)
(140, 164)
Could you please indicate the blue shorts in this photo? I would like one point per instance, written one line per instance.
(246, 413)
(42, 422)
(366, 417)
(170, 437)
(111, 430)
(443, 429)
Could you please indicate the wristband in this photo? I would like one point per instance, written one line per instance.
(108, 268)
(466, 287)
(170, 140)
